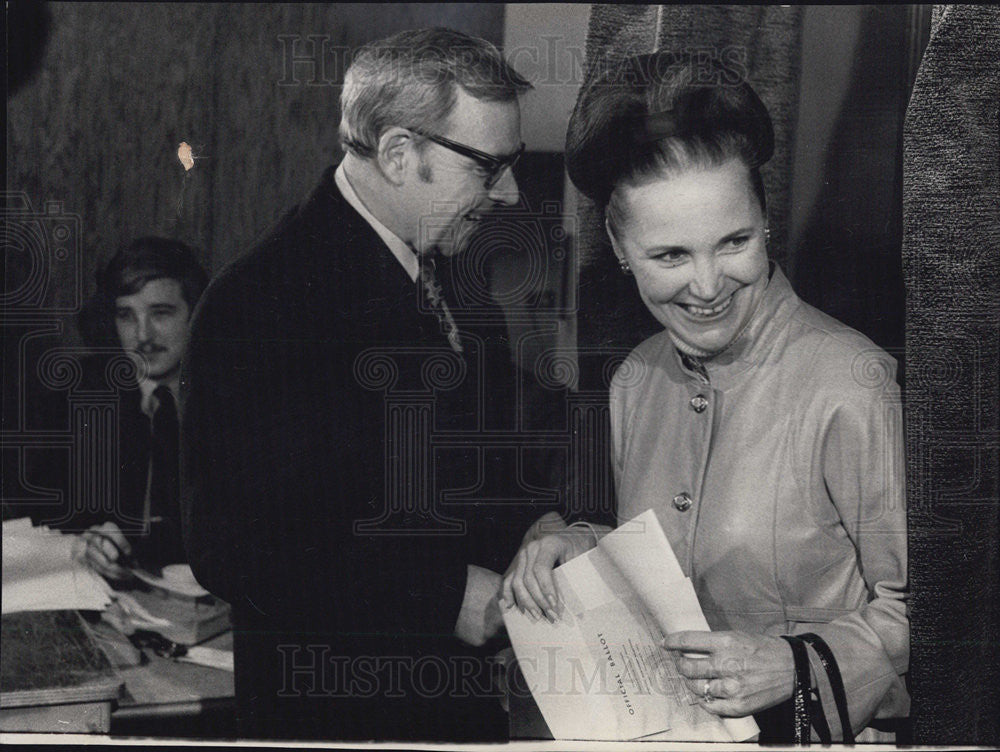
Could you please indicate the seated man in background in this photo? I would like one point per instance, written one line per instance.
(148, 291)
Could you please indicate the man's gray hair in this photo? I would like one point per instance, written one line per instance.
(409, 80)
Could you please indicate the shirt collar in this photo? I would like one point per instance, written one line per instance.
(147, 386)
(403, 253)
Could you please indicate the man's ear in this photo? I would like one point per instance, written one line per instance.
(394, 154)
(614, 241)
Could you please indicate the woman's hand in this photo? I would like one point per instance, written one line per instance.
(528, 583)
(741, 673)
(548, 523)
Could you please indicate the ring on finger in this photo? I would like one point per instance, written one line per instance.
(706, 693)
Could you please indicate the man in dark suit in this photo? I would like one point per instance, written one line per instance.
(145, 297)
(319, 366)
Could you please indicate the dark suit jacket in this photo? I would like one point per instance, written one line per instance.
(77, 472)
(313, 384)
(52, 468)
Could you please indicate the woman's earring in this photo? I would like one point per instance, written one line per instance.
(626, 269)
(767, 235)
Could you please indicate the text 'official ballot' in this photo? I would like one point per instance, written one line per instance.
(599, 672)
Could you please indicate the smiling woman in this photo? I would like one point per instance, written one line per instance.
(697, 246)
(751, 425)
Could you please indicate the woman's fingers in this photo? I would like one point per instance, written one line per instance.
(538, 580)
(507, 587)
(529, 583)
(548, 559)
(100, 562)
(725, 697)
(541, 575)
(522, 598)
(534, 601)
(697, 641)
(739, 673)
(696, 668)
(721, 688)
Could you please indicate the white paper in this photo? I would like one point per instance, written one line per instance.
(41, 574)
(599, 672)
(211, 657)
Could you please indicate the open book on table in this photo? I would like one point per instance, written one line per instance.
(599, 672)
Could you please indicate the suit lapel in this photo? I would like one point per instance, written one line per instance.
(355, 265)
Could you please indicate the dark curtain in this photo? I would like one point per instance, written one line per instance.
(846, 258)
(951, 257)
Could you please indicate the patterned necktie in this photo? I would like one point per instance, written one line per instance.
(437, 303)
(164, 545)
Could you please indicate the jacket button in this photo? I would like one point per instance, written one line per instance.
(699, 403)
(682, 501)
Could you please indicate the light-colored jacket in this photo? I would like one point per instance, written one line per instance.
(779, 483)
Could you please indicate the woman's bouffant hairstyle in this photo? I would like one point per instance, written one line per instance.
(655, 113)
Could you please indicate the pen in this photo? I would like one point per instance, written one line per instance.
(163, 647)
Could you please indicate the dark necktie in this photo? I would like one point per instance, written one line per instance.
(164, 545)
(437, 303)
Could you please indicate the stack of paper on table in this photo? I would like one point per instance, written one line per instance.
(599, 671)
(40, 573)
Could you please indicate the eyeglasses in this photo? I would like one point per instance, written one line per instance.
(493, 165)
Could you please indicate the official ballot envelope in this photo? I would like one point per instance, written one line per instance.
(599, 672)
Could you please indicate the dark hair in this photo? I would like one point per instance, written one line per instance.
(410, 79)
(139, 262)
(146, 259)
(663, 111)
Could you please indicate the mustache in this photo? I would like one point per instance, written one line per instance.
(149, 348)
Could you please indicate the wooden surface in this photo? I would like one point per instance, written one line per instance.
(55, 678)
(74, 718)
(70, 668)
(52, 676)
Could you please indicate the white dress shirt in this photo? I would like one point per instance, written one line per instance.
(148, 406)
(403, 253)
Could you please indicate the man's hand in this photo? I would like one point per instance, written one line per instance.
(739, 672)
(104, 548)
(480, 618)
